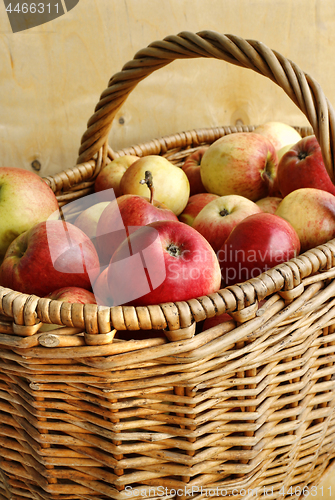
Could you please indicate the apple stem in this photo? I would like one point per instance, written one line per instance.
(148, 181)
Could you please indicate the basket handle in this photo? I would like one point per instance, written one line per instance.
(303, 90)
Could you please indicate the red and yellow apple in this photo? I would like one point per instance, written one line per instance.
(311, 212)
(71, 294)
(51, 255)
(269, 204)
(191, 168)
(25, 200)
(242, 163)
(123, 216)
(162, 262)
(194, 205)
(218, 218)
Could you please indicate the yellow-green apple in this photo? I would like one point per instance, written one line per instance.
(279, 133)
(25, 200)
(110, 176)
(171, 183)
(123, 216)
(283, 150)
(52, 254)
(218, 218)
(269, 204)
(191, 168)
(162, 262)
(302, 166)
(72, 294)
(311, 212)
(242, 163)
(258, 243)
(194, 205)
(87, 220)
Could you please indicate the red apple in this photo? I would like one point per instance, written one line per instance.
(258, 243)
(191, 168)
(25, 200)
(216, 320)
(162, 262)
(111, 175)
(100, 289)
(311, 212)
(218, 218)
(242, 163)
(302, 166)
(269, 204)
(194, 205)
(51, 255)
(124, 215)
(72, 294)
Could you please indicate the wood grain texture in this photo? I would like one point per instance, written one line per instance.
(52, 75)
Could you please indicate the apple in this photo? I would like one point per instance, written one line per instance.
(216, 320)
(52, 254)
(269, 204)
(191, 168)
(242, 163)
(100, 289)
(124, 215)
(165, 261)
(110, 176)
(311, 212)
(283, 150)
(25, 200)
(88, 219)
(171, 183)
(194, 205)
(302, 166)
(218, 218)
(280, 134)
(258, 243)
(72, 294)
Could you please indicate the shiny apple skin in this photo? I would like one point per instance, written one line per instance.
(179, 265)
(311, 212)
(258, 243)
(122, 217)
(30, 267)
(302, 166)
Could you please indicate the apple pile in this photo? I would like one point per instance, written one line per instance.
(237, 207)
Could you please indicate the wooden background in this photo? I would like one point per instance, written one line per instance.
(52, 75)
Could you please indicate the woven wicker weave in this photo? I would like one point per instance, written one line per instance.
(246, 404)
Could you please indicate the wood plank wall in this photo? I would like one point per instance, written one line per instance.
(52, 75)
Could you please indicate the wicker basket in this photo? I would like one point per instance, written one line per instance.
(245, 406)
